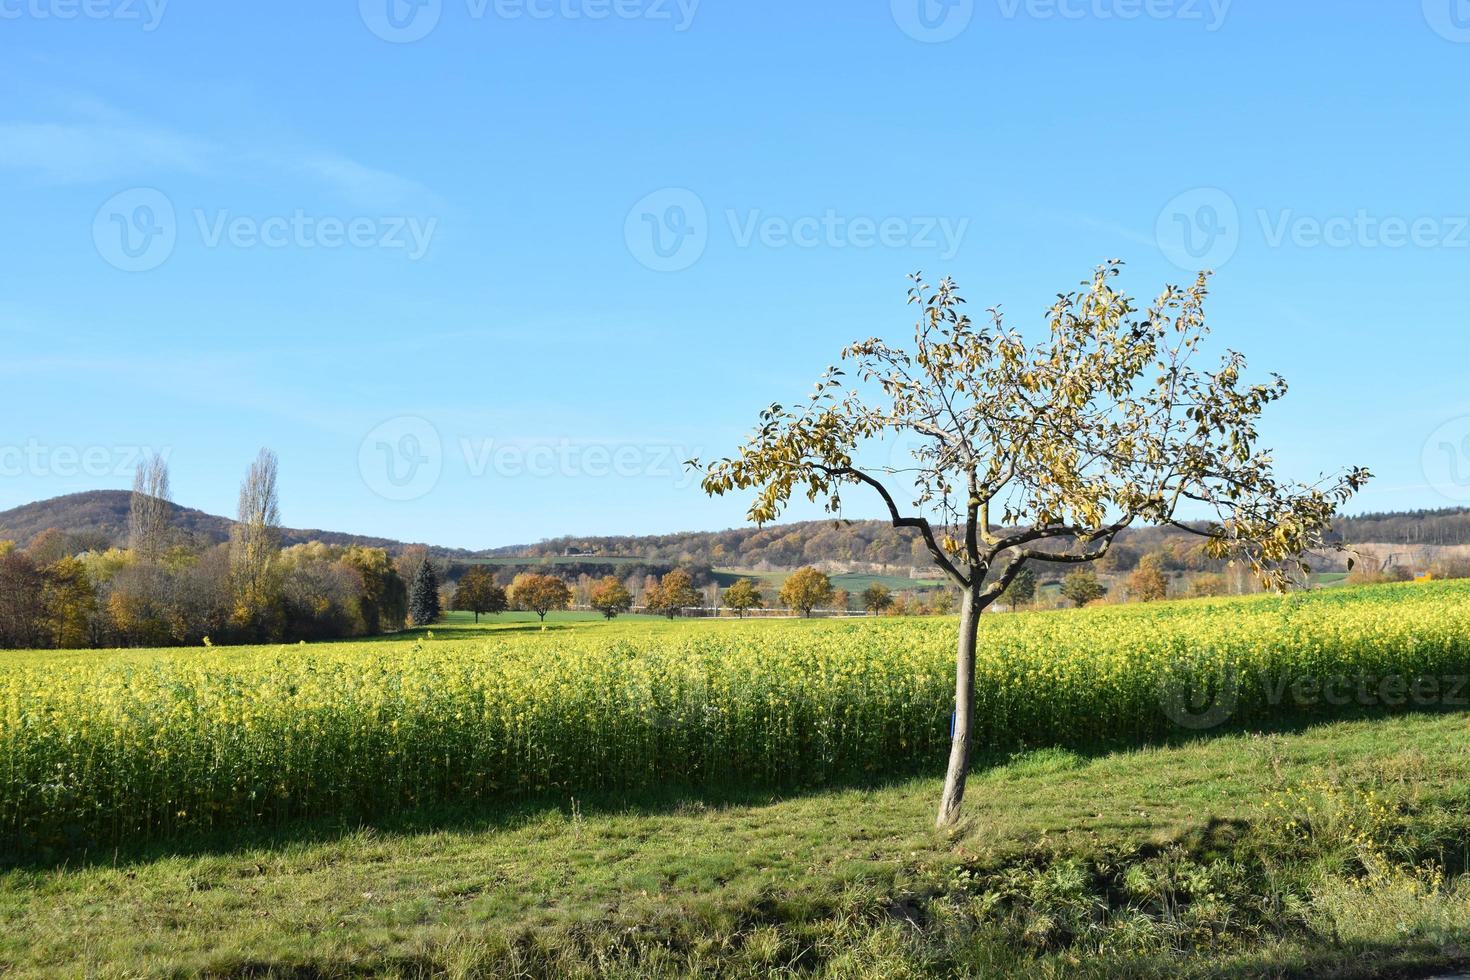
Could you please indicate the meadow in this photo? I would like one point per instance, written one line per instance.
(107, 750)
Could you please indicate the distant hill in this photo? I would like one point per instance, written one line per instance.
(100, 518)
(877, 543)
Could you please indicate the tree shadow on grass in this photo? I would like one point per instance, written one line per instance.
(480, 816)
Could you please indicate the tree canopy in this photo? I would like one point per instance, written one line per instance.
(539, 594)
(478, 593)
(611, 597)
(806, 589)
(1041, 451)
(743, 596)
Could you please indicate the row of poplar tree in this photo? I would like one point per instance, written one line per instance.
(163, 589)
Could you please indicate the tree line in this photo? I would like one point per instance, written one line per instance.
(676, 593)
(167, 589)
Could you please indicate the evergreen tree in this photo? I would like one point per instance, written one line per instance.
(423, 597)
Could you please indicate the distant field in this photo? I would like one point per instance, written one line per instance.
(854, 583)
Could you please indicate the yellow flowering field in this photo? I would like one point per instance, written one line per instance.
(102, 749)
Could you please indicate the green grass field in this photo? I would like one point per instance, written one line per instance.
(854, 583)
(645, 798)
(1175, 862)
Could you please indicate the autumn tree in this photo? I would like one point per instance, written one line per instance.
(675, 592)
(877, 598)
(806, 589)
(477, 593)
(1081, 587)
(1207, 584)
(383, 603)
(149, 508)
(611, 597)
(1041, 451)
(423, 596)
(539, 594)
(1148, 583)
(70, 600)
(841, 600)
(255, 539)
(50, 547)
(743, 596)
(22, 609)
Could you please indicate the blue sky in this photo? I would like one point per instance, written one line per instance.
(485, 272)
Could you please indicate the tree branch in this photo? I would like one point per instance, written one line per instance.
(899, 521)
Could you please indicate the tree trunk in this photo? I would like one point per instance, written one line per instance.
(964, 711)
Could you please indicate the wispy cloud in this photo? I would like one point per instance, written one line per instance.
(88, 152)
(361, 185)
(102, 144)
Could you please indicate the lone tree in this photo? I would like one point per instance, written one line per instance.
(675, 591)
(478, 593)
(149, 508)
(539, 594)
(1042, 451)
(255, 541)
(1082, 587)
(611, 597)
(806, 589)
(743, 596)
(423, 596)
(1149, 583)
(877, 598)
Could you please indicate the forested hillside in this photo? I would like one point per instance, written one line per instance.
(100, 518)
